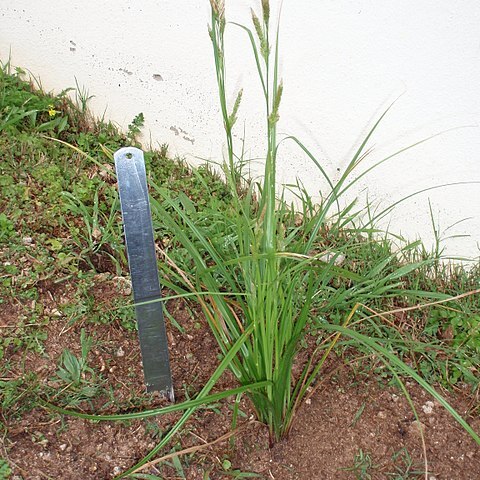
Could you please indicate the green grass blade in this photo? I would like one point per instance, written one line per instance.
(403, 367)
(159, 411)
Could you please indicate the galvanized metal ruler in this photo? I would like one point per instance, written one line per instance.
(142, 260)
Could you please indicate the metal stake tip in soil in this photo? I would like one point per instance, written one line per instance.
(137, 221)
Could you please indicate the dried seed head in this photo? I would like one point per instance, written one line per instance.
(218, 7)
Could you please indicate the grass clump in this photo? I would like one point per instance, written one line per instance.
(283, 270)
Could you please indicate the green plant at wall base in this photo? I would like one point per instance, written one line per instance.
(19, 106)
(273, 267)
(135, 127)
(100, 232)
(462, 330)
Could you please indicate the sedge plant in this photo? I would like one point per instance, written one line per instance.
(270, 265)
(261, 256)
(257, 263)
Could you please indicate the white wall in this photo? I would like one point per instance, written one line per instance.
(343, 62)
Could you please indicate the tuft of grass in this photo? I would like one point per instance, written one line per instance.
(362, 466)
(280, 272)
(405, 468)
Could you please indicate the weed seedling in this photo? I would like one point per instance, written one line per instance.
(79, 379)
(362, 466)
(405, 468)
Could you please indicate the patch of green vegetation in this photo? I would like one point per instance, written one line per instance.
(60, 224)
(7, 228)
(18, 395)
(78, 381)
(362, 466)
(21, 108)
(5, 470)
(405, 467)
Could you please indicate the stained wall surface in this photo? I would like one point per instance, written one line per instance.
(343, 62)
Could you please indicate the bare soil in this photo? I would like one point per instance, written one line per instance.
(350, 414)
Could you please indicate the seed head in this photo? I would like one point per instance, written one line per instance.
(256, 24)
(266, 10)
(233, 116)
(274, 116)
(264, 49)
(218, 7)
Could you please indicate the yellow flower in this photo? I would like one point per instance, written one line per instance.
(51, 111)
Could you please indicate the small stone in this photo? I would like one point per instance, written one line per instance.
(308, 401)
(101, 277)
(120, 352)
(394, 397)
(27, 240)
(428, 407)
(124, 286)
(338, 258)
(63, 446)
(106, 171)
(415, 428)
(117, 470)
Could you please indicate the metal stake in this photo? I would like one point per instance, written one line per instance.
(142, 260)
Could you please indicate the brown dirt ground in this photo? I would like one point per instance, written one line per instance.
(349, 412)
